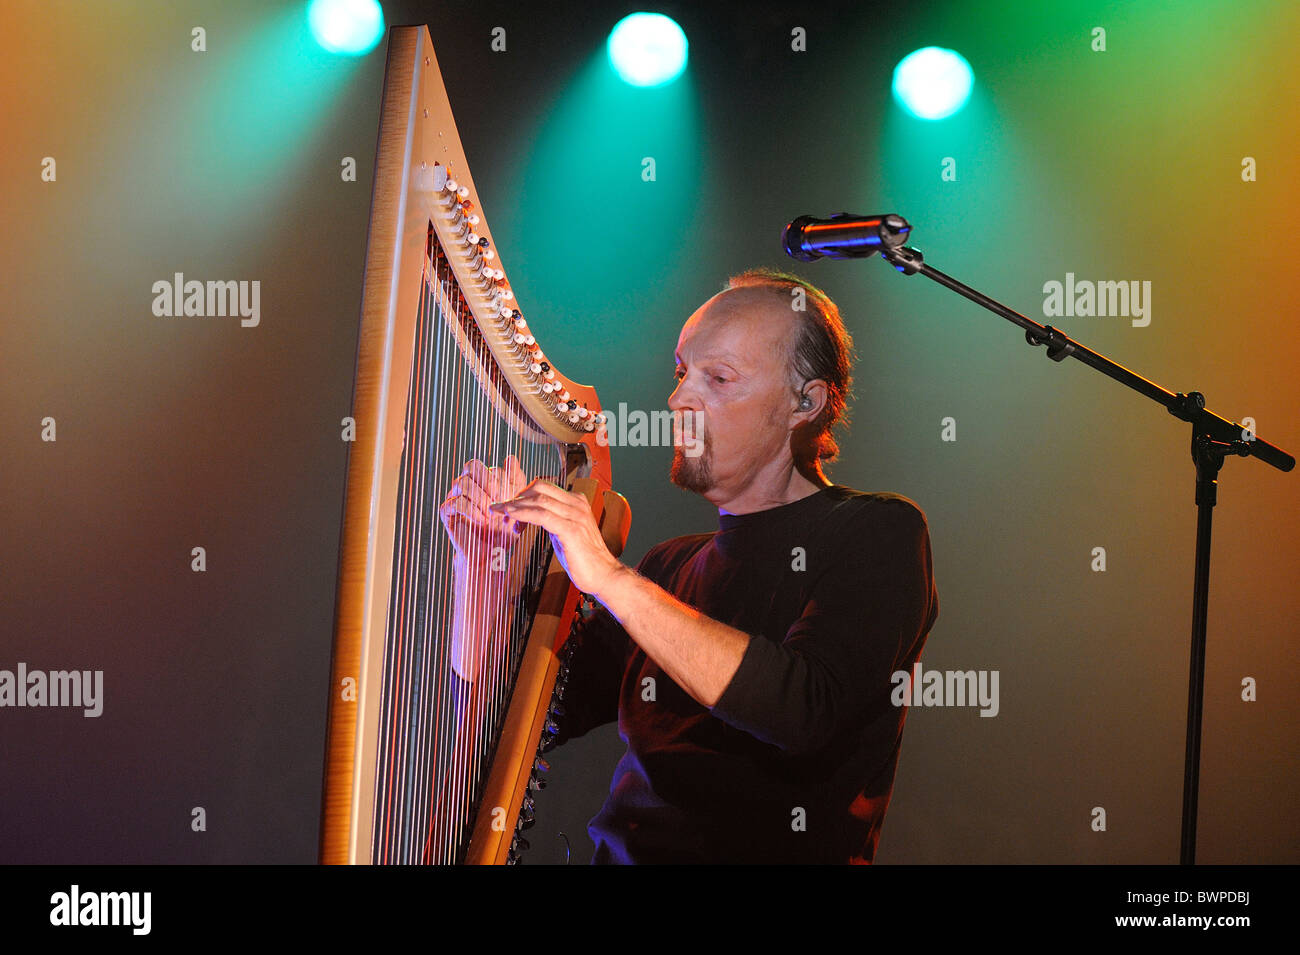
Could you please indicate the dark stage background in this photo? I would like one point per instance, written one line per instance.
(173, 434)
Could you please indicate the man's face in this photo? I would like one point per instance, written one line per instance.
(733, 379)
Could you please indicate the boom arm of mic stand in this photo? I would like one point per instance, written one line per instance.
(1060, 346)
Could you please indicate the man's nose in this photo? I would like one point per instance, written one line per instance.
(682, 398)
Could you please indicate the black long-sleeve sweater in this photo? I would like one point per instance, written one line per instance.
(796, 760)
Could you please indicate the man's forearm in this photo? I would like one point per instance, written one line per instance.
(476, 620)
(699, 653)
(484, 598)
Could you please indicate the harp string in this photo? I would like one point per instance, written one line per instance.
(436, 739)
(401, 611)
(445, 734)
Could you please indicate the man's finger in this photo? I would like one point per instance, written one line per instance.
(543, 488)
(574, 502)
(460, 508)
(465, 487)
(531, 512)
(477, 471)
(515, 476)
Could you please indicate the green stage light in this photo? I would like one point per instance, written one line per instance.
(933, 83)
(647, 49)
(349, 27)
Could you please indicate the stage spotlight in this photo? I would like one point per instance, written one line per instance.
(349, 27)
(933, 83)
(647, 49)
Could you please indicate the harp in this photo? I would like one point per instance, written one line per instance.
(417, 769)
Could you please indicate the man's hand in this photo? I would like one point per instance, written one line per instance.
(473, 530)
(488, 562)
(567, 517)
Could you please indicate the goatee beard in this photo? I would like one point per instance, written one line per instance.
(693, 473)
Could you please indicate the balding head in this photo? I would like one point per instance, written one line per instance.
(765, 319)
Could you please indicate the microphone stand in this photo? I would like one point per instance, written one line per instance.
(1213, 439)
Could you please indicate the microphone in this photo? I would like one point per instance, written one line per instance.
(845, 235)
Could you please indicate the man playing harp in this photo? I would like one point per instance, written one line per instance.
(750, 669)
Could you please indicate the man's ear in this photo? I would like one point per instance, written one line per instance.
(810, 406)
